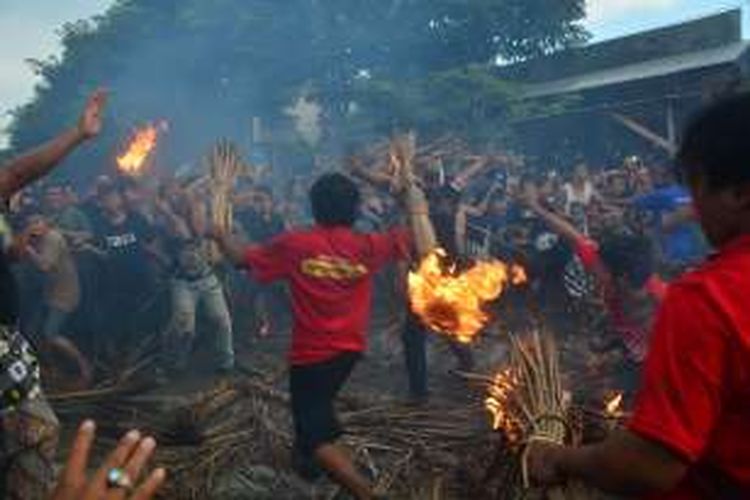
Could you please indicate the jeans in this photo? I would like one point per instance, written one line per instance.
(414, 339)
(188, 297)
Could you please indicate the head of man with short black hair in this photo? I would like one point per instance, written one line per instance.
(335, 200)
(714, 160)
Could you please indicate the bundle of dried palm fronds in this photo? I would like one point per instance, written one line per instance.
(225, 166)
(529, 405)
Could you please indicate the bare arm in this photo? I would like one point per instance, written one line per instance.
(483, 206)
(175, 224)
(78, 238)
(624, 464)
(556, 223)
(47, 255)
(422, 230)
(477, 165)
(375, 177)
(36, 164)
(230, 248)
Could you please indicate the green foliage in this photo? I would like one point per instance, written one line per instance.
(469, 101)
(209, 66)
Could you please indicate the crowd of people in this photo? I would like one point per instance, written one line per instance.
(106, 268)
(603, 239)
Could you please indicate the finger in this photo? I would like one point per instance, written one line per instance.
(116, 458)
(140, 458)
(98, 99)
(75, 469)
(149, 488)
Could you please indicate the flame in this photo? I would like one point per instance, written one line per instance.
(140, 148)
(453, 303)
(613, 407)
(499, 404)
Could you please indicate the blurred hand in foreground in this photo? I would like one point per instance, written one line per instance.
(128, 459)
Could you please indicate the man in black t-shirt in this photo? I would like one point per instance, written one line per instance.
(127, 286)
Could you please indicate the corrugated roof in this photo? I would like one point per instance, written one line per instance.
(640, 71)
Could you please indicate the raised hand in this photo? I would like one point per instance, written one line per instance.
(90, 123)
(225, 162)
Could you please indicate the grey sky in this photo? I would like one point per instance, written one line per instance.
(29, 30)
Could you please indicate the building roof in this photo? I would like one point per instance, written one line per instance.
(655, 68)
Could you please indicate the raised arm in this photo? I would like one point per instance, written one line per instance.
(418, 214)
(482, 207)
(176, 225)
(476, 165)
(377, 178)
(31, 166)
(556, 223)
(47, 255)
(233, 250)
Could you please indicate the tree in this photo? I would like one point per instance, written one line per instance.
(209, 66)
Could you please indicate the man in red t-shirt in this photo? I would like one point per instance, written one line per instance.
(689, 437)
(329, 269)
(623, 265)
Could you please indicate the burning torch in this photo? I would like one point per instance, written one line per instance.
(140, 148)
(447, 301)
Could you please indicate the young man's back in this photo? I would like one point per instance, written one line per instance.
(329, 269)
(330, 272)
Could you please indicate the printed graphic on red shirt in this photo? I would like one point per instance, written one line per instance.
(330, 267)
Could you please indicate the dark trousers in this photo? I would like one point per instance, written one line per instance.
(414, 341)
(313, 389)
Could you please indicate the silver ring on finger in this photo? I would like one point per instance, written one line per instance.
(119, 479)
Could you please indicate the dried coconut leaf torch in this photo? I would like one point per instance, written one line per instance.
(447, 300)
(402, 153)
(528, 403)
(225, 165)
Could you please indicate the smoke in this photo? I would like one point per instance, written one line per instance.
(306, 114)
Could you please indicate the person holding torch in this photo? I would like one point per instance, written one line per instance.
(330, 268)
(689, 437)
